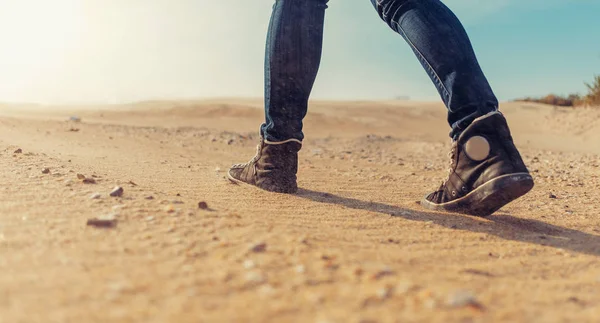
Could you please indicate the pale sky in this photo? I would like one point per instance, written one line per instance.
(105, 51)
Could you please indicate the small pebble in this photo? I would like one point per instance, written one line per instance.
(149, 218)
(80, 176)
(202, 205)
(18, 151)
(170, 208)
(385, 292)
(461, 299)
(107, 221)
(552, 196)
(149, 197)
(89, 181)
(117, 191)
(383, 273)
(46, 170)
(95, 196)
(259, 247)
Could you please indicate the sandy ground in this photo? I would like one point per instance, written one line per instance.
(352, 246)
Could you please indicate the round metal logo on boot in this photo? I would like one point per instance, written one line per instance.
(477, 148)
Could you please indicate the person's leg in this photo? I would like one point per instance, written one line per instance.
(486, 170)
(442, 46)
(293, 55)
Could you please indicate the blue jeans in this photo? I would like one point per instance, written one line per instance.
(435, 34)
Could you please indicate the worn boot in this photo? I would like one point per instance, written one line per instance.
(486, 170)
(273, 168)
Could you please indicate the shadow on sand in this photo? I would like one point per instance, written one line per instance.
(501, 225)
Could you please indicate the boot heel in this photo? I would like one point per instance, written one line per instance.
(495, 194)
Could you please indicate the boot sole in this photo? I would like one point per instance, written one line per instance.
(276, 190)
(487, 198)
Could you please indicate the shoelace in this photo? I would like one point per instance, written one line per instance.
(451, 155)
(253, 160)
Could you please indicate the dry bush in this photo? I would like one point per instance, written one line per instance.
(572, 100)
(557, 100)
(593, 96)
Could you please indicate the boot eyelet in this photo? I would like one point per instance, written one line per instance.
(453, 193)
(464, 189)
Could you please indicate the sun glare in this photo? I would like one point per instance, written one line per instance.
(36, 37)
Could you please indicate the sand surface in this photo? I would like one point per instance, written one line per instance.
(352, 246)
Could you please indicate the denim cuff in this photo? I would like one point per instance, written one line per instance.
(459, 126)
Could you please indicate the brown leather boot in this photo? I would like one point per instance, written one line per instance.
(273, 168)
(486, 170)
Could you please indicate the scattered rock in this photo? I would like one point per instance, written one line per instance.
(74, 129)
(259, 247)
(149, 197)
(80, 176)
(358, 271)
(385, 292)
(463, 299)
(132, 183)
(107, 221)
(95, 196)
(478, 272)
(202, 205)
(75, 119)
(382, 273)
(149, 218)
(18, 151)
(552, 196)
(46, 170)
(117, 191)
(89, 180)
(170, 208)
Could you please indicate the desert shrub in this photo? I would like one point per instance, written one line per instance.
(593, 96)
(553, 99)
